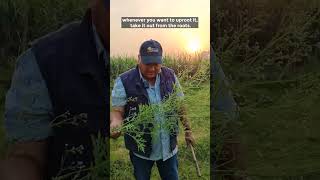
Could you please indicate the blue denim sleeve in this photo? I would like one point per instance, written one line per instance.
(223, 100)
(28, 108)
(118, 94)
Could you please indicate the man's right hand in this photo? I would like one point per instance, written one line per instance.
(116, 120)
(115, 124)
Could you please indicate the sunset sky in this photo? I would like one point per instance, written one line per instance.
(127, 41)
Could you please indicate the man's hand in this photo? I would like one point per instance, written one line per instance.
(116, 119)
(187, 129)
(189, 138)
(113, 126)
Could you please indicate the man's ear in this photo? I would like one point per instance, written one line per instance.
(139, 59)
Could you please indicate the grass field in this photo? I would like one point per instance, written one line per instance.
(281, 128)
(268, 51)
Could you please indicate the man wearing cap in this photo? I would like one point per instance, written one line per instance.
(149, 82)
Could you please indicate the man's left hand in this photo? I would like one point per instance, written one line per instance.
(189, 138)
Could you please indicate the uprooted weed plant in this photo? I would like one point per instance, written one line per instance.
(138, 124)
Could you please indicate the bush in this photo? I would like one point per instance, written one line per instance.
(264, 40)
(22, 21)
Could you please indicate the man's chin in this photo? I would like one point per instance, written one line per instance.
(151, 76)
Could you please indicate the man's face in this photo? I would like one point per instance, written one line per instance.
(149, 71)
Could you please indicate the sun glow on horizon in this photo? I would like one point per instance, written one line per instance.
(172, 40)
(193, 45)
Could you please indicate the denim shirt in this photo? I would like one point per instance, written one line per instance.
(28, 108)
(161, 142)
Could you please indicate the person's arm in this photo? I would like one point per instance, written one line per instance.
(28, 111)
(118, 100)
(186, 126)
(183, 115)
(116, 121)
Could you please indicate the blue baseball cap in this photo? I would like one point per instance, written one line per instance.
(151, 52)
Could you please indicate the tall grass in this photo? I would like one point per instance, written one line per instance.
(263, 39)
(268, 51)
(191, 69)
(22, 21)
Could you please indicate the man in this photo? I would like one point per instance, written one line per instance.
(148, 83)
(63, 75)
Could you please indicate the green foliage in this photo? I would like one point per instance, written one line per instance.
(269, 52)
(22, 21)
(144, 122)
(101, 148)
(119, 65)
(98, 170)
(264, 40)
(191, 69)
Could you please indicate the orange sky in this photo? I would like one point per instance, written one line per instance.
(127, 41)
